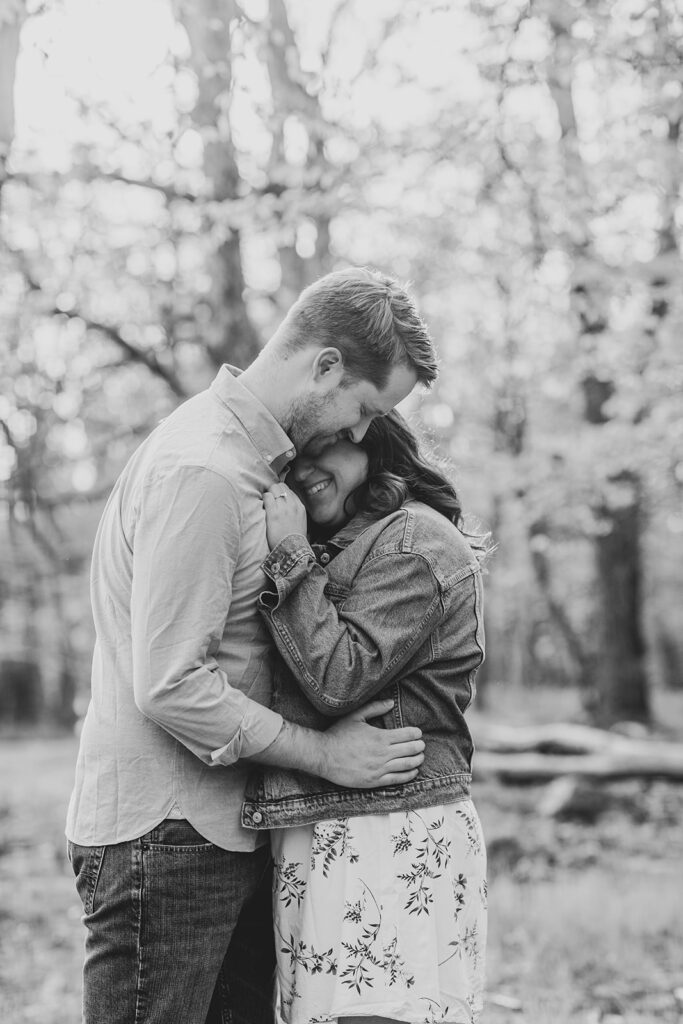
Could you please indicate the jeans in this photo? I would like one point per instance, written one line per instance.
(178, 930)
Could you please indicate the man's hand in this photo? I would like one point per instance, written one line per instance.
(362, 756)
(285, 514)
(350, 753)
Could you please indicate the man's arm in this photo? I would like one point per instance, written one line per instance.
(185, 550)
(350, 753)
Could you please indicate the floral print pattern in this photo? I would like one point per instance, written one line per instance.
(382, 915)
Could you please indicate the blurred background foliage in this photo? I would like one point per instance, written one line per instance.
(173, 173)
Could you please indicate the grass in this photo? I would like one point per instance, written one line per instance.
(589, 944)
(586, 920)
(40, 931)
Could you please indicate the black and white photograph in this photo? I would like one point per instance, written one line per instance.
(341, 512)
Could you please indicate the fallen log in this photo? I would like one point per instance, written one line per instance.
(637, 759)
(553, 738)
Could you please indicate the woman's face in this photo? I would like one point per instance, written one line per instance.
(325, 481)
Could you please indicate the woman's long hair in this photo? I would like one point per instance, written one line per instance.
(398, 470)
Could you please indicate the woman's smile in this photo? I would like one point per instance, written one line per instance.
(326, 481)
(311, 490)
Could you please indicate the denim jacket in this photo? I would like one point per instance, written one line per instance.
(390, 609)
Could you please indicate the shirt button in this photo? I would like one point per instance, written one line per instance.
(257, 817)
(290, 454)
(324, 558)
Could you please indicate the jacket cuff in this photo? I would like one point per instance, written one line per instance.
(288, 563)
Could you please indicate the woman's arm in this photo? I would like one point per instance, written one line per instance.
(342, 656)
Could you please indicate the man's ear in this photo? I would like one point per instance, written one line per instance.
(328, 368)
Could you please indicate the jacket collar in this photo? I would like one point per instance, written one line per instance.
(361, 522)
(352, 530)
(268, 437)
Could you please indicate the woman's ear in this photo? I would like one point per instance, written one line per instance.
(328, 368)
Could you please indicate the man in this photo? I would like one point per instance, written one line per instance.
(172, 885)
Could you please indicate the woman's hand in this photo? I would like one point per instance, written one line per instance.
(285, 514)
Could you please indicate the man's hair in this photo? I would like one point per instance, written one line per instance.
(370, 318)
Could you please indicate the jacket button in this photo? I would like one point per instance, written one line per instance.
(324, 558)
(275, 567)
(257, 817)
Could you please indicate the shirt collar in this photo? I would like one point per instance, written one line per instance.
(270, 440)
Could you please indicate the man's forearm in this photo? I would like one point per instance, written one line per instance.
(295, 747)
(351, 752)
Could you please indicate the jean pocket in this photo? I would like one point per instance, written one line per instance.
(87, 862)
(175, 834)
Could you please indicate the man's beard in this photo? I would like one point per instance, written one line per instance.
(307, 425)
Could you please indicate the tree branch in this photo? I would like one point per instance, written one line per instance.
(169, 191)
(135, 354)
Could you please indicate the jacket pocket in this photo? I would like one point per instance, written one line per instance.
(392, 719)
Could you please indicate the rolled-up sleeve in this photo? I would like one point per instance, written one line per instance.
(185, 549)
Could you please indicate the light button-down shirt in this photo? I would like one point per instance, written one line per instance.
(181, 677)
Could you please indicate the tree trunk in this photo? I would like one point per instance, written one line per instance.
(621, 685)
(582, 659)
(63, 710)
(232, 336)
(291, 97)
(622, 691)
(665, 272)
(11, 20)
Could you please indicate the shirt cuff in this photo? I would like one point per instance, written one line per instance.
(258, 729)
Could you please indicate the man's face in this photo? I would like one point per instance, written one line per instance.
(320, 419)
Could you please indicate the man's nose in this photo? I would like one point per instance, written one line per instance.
(358, 432)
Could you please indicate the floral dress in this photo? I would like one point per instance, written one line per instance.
(382, 915)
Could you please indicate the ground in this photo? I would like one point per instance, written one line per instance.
(586, 916)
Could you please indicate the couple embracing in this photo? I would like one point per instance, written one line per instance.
(274, 770)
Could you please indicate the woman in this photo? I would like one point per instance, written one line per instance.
(379, 895)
